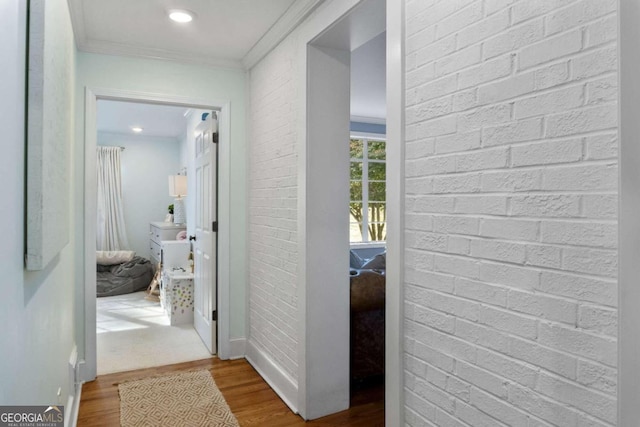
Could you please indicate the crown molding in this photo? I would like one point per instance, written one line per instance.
(296, 13)
(110, 48)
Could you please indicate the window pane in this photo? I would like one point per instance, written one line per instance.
(357, 148)
(377, 171)
(377, 212)
(356, 191)
(377, 191)
(355, 222)
(377, 231)
(355, 232)
(376, 150)
(355, 209)
(355, 170)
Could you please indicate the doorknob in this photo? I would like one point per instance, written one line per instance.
(192, 238)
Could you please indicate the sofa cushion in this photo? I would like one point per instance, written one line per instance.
(378, 262)
(367, 291)
(354, 260)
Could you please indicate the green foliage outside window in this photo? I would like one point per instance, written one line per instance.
(373, 201)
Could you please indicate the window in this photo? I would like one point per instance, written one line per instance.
(367, 206)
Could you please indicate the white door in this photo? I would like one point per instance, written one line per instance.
(205, 244)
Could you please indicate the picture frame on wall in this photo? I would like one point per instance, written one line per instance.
(48, 136)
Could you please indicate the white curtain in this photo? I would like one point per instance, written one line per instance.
(111, 232)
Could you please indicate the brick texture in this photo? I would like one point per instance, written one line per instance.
(510, 227)
(273, 209)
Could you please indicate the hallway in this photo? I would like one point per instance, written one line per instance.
(250, 398)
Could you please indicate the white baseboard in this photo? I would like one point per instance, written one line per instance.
(75, 390)
(71, 419)
(238, 348)
(275, 376)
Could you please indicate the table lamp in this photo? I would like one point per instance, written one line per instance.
(178, 189)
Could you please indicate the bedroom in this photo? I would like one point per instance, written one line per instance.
(149, 143)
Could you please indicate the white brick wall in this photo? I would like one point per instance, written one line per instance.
(511, 232)
(273, 209)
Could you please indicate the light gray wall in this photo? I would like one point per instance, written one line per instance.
(177, 80)
(146, 164)
(368, 75)
(37, 313)
(511, 213)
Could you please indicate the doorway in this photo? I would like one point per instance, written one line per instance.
(135, 328)
(324, 210)
(89, 367)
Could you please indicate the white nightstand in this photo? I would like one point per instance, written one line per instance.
(176, 296)
(159, 231)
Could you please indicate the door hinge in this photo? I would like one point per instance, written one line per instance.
(214, 226)
(214, 315)
(214, 137)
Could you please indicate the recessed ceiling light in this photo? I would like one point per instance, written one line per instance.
(180, 15)
(137, 129)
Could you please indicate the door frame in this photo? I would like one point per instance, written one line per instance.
(394, 289)
(628, 206)
(324, 19)
(88, 369)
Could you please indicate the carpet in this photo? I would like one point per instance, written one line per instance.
(181, 399)
(134, 333)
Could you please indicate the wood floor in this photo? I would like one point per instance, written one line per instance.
(250, 398)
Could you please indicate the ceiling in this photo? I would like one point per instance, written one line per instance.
(227, 33)
(368, 81)
(155, 120)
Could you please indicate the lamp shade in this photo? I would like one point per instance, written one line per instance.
(177, 185)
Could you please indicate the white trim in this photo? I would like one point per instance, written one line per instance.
(224, 233)
(629, 205)
(278, 379)
(88, 366)
(394, 314)
(289, 21)
(369, 120)
(247, 237)
(327, 232)
(71, 419)
(121, 49)
(364, 199)
(369, 136)
(323, 18)
(237, 348)
(72, 408)
(369, 245)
